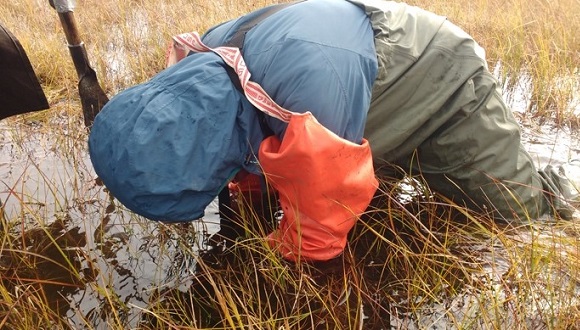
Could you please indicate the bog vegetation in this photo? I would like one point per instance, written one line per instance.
(70, 254)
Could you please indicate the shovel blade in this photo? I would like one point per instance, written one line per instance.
(93, 98)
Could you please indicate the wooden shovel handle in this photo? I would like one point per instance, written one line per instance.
(70, 28)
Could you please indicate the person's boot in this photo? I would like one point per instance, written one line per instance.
(571, 171)
(563, 184)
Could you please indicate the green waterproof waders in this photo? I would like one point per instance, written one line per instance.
(437, 111)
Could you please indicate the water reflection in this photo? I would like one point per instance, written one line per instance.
(87, 255)
(136, 257)
(48, 261)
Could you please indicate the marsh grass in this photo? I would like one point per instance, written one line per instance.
(69, 253)
(530, 40)
(425, 264)
(420, 264)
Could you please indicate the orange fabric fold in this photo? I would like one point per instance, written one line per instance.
(324, 184)
(248, 185)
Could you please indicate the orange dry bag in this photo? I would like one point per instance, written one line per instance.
(324, 182)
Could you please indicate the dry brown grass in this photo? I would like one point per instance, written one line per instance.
(126, 40)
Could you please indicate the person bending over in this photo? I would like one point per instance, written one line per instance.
(330, 95)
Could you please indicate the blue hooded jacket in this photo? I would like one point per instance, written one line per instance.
(165, 148)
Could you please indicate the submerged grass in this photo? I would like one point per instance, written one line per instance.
(72, 257)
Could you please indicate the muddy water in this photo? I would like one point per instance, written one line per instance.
(119, 259)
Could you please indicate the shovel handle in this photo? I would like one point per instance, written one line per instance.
(65, 8)
(93, 98)
(70, 28)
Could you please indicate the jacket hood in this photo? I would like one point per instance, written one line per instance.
(165, 148)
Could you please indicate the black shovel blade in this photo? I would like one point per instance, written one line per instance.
(20, 91)
(93, 98)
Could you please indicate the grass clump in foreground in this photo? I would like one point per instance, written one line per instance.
(70, 257)
(423, 265)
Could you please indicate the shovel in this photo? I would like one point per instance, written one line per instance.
(93, 98)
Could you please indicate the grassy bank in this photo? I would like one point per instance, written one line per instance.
(72, 257)
(533, 40)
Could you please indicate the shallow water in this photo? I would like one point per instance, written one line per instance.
(43, 184)
(49, 180)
